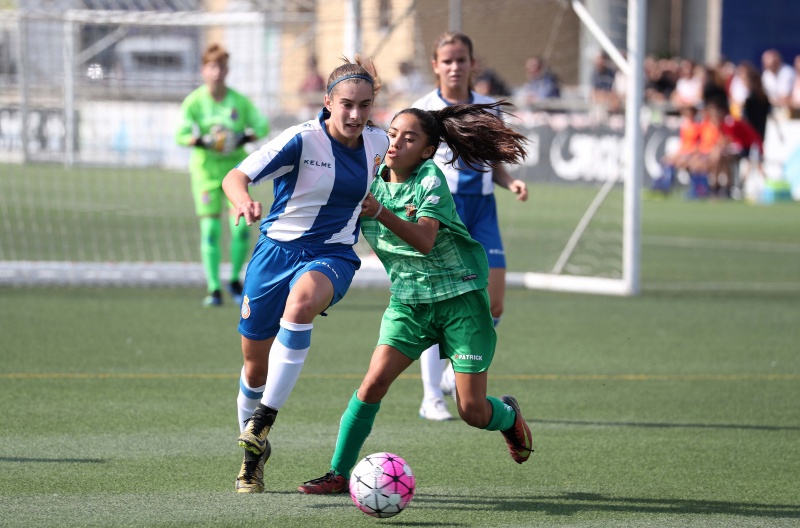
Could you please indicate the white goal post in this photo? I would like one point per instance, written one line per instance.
(633, 68)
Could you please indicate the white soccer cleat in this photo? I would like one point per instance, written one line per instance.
(435, 410)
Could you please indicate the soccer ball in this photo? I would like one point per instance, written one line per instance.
(382, 485)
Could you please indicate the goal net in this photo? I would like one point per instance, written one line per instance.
(94, 189)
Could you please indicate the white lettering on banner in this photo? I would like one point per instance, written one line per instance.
(590, 157)
(46, 130)
(10, 130)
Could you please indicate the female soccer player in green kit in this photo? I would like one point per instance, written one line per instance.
(439, 276)
(218, 121)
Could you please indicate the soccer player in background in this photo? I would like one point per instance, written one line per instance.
(304, 260)
(218, 121)
(453, 63)
(439, 277)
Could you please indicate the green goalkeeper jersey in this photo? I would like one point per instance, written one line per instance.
(456, 265)
(200, 113)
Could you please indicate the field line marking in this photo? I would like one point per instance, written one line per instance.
(734, 245)
(511, 377)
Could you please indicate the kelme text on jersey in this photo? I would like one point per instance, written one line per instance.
(315, 163)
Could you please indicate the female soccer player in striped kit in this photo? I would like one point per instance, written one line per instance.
(304, 260)
(473, 191)
(439, 276)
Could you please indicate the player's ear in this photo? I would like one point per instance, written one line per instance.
(327, 100)
(429, 151)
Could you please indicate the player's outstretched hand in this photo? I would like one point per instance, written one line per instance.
(250, 211)
(519, 188)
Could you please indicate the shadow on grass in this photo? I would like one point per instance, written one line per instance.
(574, 503)
(658, 425)
(54, 460)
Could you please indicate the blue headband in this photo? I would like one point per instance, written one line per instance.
(351, 76)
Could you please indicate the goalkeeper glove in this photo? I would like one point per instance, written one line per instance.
(244, 139)
(201, 142)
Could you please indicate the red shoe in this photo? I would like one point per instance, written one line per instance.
(328, 484)
(518, 437)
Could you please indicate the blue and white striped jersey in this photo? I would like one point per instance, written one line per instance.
(460, 180)
(318, 182)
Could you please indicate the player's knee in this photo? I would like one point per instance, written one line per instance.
(374, 388)
(255, 374)
(301, 310)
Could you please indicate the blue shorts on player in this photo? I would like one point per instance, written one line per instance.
(274, 269)
(479, 214)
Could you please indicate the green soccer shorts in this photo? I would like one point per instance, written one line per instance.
(462, 326)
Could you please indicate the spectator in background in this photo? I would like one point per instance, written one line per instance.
(756, 107)
(689, 142)
(603, 80)
(313, 81)
(410, 84)
(488, 82)
(737, 89)
(713, 84)
(727, 71)
(541, 84)
(704, 164)
(689, 86)
(734, 140)
(795, 98)
(659, 80)
(777, 78)
(313, 85)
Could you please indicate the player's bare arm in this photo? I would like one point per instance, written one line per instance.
(235, 186)
(420, 236)
(501, 177)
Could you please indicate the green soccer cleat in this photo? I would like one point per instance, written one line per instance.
(328, 484)
(518, 437)
(254, 436)
(251, 476)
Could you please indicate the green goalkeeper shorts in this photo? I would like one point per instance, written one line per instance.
(209, 198)
(462, 326)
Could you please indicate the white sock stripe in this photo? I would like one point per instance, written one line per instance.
(243, 381)
(296, 327)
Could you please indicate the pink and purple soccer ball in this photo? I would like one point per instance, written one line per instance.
(382, 485)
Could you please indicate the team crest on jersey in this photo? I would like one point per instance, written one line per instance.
(234, 114)
(205, 198)
(245, 307)
(429, 183)
(376, 162)
(411, 210)
(433, 199)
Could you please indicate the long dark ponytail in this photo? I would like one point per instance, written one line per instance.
(475, 133)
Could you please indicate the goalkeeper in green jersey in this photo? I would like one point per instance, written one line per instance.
(439, 276)
(218, 121)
